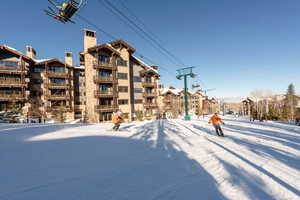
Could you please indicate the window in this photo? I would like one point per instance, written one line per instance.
(122, 76)
(77, 74)
(148, 79)
(37, 81)
(148, 90)
(104, 74)
(138, 90)
(138, 101)
(57, 69)
(123, 89)
(105, 88)
(137, 79)
(123, 101)
(121, 62)
(38, 69)
(57, 81)
(103, 58)
(11, 64)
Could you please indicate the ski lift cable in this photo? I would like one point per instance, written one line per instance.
(139, 20)
(114, 38)
(119, 16)
(141, 30)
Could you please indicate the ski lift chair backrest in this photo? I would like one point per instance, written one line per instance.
(70, 11)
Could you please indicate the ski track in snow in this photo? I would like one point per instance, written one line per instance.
(151, 160)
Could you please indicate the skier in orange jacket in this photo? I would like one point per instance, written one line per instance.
(116, 120)
(216, 121)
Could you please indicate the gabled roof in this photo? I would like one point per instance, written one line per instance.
(104, 46)
(124, 44)
(148, 68)
(171, 90)
(16, 52)
(44, 61)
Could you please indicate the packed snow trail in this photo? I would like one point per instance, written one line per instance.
(166, 159)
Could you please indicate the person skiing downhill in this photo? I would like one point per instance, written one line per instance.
(216, 121)
(116, 120)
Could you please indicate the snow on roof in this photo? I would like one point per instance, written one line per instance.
(12, 48)
(41, 60)
(174, 91)
(146, 65)
(79, 67)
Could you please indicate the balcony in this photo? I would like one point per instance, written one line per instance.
(78, 116)
(149, 94)
(77, 107)
(59, 97)
(106, 108)
(12, 82)
(12, 97)
(12, 70)
(104, 79)
(104, 94)
(149, 84)
(58, 108)
(167, 100)
(57, 75)
(57, 86)
(150, 105)
(104, 65)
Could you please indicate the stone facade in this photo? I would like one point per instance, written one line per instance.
(115, 80)
(109, 79)
(37, 88)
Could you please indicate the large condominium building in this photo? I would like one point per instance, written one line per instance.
(109, 79)
(39, 88)
(14, 78)
(115, 80)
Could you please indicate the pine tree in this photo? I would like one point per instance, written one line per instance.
(290, 102)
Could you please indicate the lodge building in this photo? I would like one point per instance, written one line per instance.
(109, 79)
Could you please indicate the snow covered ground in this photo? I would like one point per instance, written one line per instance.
(153, 160)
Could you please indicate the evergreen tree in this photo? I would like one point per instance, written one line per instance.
(290, 102)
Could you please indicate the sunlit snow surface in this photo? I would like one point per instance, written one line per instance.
(167, 159)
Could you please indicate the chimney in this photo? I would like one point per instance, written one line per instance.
(69, 58)
(90, 39)
(30, 52)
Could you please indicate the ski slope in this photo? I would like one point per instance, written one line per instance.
(152, 160)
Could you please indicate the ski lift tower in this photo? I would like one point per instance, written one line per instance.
(185, 72)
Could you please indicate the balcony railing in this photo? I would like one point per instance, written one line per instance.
(106, 108)
(59, 97)
(99, 93)
(57, 85)
(167, 100)
(104, 65)
(77, 107)
(17, 69)
(149, 84)
(57, 75)
(58, 108)
(11, 97)
(103, 79)
(11, 82)
(150, 94)
(150, 105)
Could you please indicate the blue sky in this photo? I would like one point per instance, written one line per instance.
(237, 46)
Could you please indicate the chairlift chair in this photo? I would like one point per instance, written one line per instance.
(65, 11)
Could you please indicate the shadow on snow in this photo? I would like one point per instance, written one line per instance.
(101, 167)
